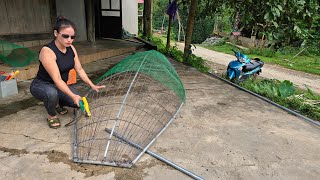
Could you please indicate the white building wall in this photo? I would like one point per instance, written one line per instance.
(130, 16)
(74, 10)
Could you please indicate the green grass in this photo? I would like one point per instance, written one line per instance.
(164, 39)
(304, 62)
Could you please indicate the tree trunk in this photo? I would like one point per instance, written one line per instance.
(190, 23)
(236, 26)
(147, 18)
(236, 21)
(169, 28)
(253, 36)
(90, 22)
(262, 41)
(179, 23)
(169, 32)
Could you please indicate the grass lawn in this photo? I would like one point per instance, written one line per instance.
(305, 63)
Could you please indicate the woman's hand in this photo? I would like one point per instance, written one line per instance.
(96, 88)
(76, 98)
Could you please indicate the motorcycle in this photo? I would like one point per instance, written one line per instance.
(242, 68)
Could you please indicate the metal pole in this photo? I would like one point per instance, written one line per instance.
(178, 17)
(172, 164)
(123, 101)
(165, 127)
(269, 101)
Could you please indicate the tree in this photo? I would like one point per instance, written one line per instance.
(283, 22)
(290, 21)
(190, 23)
(147, 18)
(171, 14)
(90, 21)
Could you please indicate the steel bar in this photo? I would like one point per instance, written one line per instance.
(170, 163)
(317, 123)
(124, 100)
(165, 127)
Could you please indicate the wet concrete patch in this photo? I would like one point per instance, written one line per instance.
(13, 152)
(221, 103)
(136, 172)
(14, 107)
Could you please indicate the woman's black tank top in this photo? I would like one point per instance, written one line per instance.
(65, 62)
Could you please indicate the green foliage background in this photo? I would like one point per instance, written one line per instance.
(285, 23)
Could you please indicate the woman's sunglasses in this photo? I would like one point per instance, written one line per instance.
(66, 36)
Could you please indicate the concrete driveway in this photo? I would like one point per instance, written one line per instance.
(221, 133)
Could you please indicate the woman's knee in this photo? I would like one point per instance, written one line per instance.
(52, 94)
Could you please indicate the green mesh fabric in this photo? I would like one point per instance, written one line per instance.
(153, 64)
(15, 55)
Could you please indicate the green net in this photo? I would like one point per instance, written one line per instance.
(15, 55)
(153, 64)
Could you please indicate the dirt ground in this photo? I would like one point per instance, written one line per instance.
(219, 61)
(220, 133)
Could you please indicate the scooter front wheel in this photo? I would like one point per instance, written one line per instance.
(231, 74)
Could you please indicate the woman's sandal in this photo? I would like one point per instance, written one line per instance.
(61, 110)
(53, 121)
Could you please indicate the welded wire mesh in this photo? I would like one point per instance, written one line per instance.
(134, 108)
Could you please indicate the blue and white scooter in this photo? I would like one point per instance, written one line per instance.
(240, 69)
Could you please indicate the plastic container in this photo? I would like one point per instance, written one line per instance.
(8, 88)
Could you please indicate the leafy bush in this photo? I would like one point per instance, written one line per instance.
(157, 42)
(176, 54)
(315, 50)
(202, 29)
(197, 62)
(285, 94)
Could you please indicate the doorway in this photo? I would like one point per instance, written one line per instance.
(109, 19)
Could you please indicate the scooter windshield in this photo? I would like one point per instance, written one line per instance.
(243, 58)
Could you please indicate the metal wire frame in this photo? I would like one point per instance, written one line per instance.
(135, 107)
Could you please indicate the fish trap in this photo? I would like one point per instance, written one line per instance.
(143, 95)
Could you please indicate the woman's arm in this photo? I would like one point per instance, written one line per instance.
(82, 74)
(48, 60)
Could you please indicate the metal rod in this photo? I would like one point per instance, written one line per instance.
(75, 149)
(101, 163)
(170, 163)
(124, 100)
(165, 127)
(317, 123)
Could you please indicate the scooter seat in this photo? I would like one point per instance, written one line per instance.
(252, 65)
